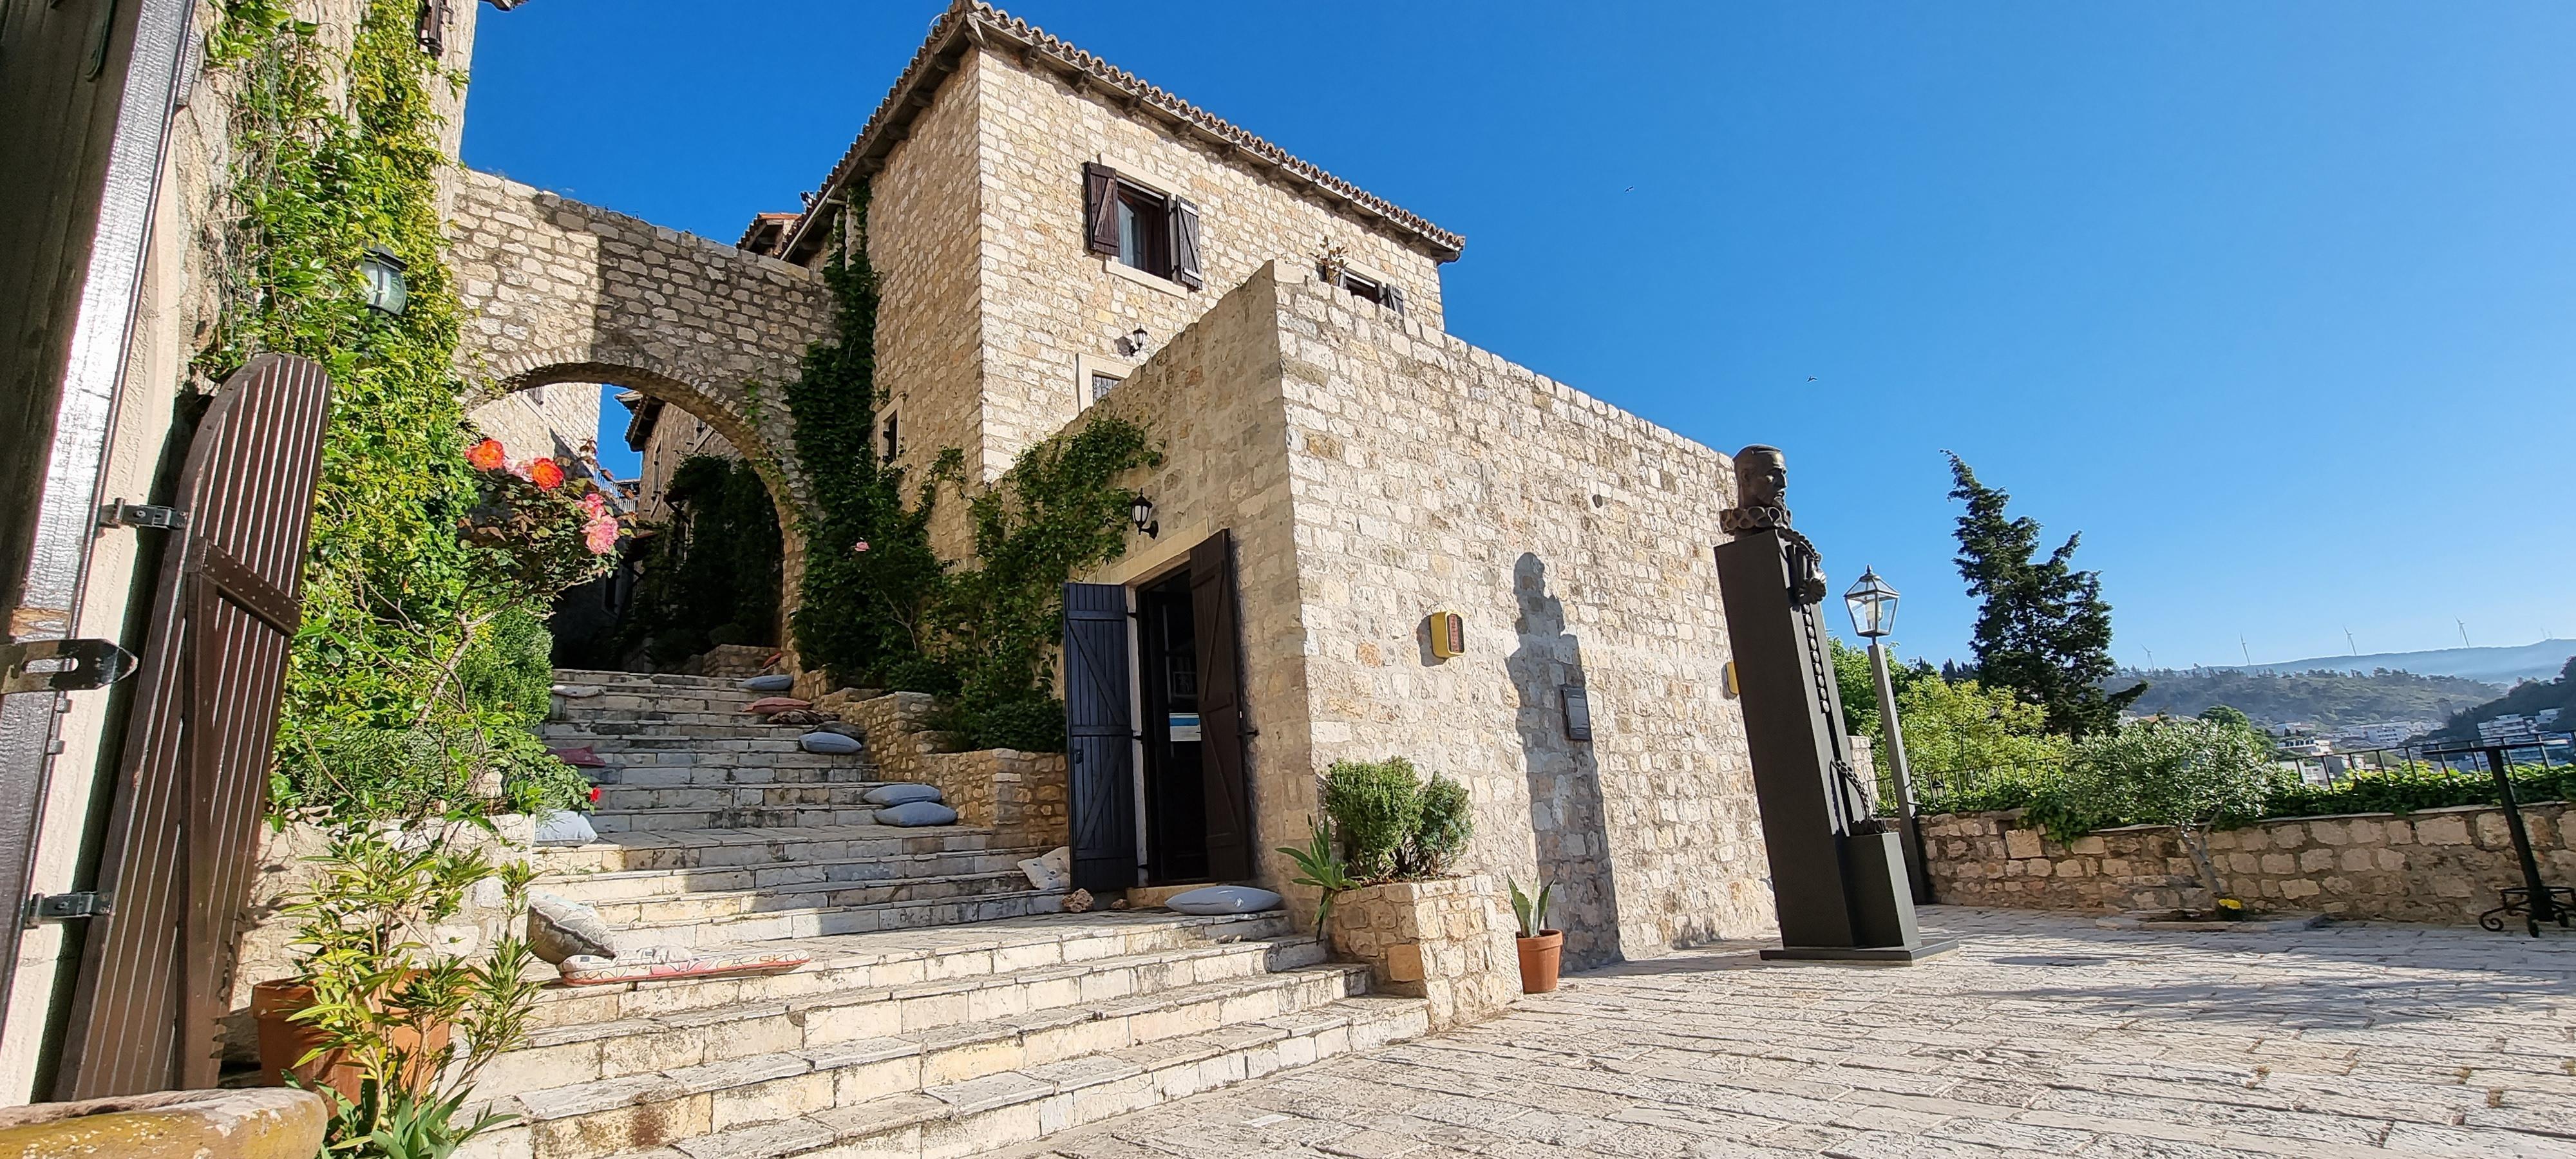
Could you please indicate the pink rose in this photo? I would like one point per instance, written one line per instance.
(601, 535)
(594, 504)
(859, 548)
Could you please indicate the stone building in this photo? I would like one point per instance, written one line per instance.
(664, 438)
(1056, 237)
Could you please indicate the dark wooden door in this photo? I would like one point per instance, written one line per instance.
(1222, 727)
(155, 974)
(1099, 736)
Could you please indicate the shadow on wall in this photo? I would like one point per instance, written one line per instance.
(1566, 814)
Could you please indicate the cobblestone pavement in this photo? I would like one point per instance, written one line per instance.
(2042, 1036)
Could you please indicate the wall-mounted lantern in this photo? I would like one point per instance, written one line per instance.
(1448, 632)
(1132, 343)
(387, 293)
(1141, 509)
(433, 27)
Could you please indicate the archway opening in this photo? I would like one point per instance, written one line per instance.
(706, 583)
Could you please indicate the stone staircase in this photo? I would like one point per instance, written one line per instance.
(948, 1010)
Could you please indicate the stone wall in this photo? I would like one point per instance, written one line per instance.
(1447, 940)
(1375, 470)
(561, 421)
(2438, 865)
(1021, 796)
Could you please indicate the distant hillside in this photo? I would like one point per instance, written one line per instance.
(2323, 697)
(2539, 661)
(2527, 698)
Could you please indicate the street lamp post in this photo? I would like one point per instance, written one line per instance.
(1873, 612)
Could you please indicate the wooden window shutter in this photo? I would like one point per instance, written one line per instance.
(1185, 245)
(1100, 208)
(1394, 299)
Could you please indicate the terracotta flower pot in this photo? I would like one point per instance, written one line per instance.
(1539, 957)
(282, 1043)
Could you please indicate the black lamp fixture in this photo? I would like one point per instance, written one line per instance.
(1872, 604)
(1132, 343)
(433, 27)
(387, 293)
(1141, 509)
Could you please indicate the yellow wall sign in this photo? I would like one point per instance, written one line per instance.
(1448, 634)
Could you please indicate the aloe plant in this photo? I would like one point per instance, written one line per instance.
(1532, 912)
(1320, 865)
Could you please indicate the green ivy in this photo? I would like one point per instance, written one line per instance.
(390, 602)
(879, 608)
(710, 575)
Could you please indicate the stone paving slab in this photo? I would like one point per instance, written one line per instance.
(2045, 1035)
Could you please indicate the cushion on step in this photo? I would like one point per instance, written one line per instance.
(1224, 899)
(560, 928)
(773, 682)
(578, 691)
(903, 794)
(653, 963)
(579, 758)
(565, 827)
(917, 813)
(1051, 872)
(831, 743)
(769, 704)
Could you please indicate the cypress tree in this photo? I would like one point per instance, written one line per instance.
(2044, 630)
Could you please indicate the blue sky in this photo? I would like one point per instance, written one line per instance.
(2272, 302)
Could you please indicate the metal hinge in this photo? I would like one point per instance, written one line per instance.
(62, 665)
(124, 514)
(49, 908)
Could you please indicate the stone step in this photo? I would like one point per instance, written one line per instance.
(888, 959)
(622, 796)
(664, 680)
(821, 920)
(678, 847)
(764, 738)
(664, 713)
(977, 1009)
(660, 776)
(706, 1111)
(635, 885)
(699, 907)
(737, 817)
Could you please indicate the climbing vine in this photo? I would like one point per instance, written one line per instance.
(879, 608)
(395, 603)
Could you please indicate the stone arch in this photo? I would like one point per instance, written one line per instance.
(553, 291)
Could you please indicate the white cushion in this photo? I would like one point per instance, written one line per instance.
(917, 813)
(902, 794)
(828, 742)
(1225, 899)
(774, 682)
(565, 827)
(560, 928)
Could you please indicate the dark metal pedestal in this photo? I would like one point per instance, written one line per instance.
(1900, 955)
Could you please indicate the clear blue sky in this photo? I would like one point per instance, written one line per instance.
(2272, 302)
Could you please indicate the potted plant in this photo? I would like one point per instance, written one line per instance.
(1541, 948)
(374, 1014)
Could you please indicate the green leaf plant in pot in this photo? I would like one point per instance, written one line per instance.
(1541, 948)
(387, 1027)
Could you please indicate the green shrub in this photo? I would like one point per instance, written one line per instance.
(1447, 822)
(1376, 806)
(510, 668)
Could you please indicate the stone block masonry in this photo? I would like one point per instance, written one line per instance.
(2438, 865)
(1374, 470)
(1445, 940)
(1020, 796)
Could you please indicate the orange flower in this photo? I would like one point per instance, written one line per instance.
(545, 474)
(486, 455)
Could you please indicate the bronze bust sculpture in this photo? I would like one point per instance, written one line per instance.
(1761, 504)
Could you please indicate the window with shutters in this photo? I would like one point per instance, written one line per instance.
(1141, 226)
(1375, 289)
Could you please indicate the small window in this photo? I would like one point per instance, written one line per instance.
(893, 435)
(1383, 293)
(1102, 384)
(1141, 227)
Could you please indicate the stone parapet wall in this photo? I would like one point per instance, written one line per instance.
(1446, 940)
(2437, 865)
(1021, 796)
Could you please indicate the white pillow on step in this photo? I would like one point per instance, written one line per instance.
(1225, 899)
(828, 743)
(917, 813)
(902, 794)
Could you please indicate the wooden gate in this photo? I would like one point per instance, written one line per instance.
(1218, 629)
(1099, 736)
(155, 973)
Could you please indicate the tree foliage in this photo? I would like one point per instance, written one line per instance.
(2043, 629)
(2193, 775)
(710, 574)
(1962, 728)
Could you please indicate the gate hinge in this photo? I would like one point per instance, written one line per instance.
(124, 514)
(48, 908)
(62, 665)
